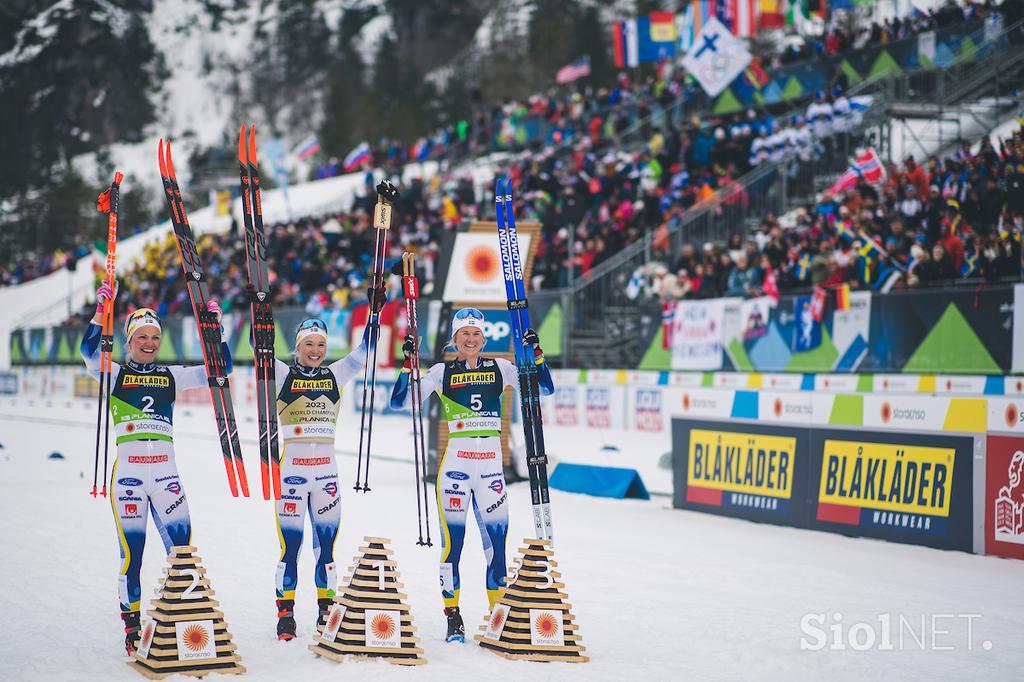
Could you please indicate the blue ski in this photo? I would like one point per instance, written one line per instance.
(529, 389)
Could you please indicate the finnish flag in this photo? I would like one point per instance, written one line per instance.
(716, 57)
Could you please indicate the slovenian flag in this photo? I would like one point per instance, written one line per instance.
(357, 156)
(644, 40)
(308, 148)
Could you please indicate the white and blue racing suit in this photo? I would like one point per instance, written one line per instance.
(470, 471)
(145, 476)
(308, 401)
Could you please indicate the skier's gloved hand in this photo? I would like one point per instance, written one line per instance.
(103, 294)
(408, 348)
(530, 338)
(214, 307)
(377, 298)
(409, 345)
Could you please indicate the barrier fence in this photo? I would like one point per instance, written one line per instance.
(836, 452)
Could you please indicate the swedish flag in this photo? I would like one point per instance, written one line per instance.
(844, 231)
(803, 267)
(970, 265)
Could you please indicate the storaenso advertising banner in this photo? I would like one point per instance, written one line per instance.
(750, 471)
(895, 486)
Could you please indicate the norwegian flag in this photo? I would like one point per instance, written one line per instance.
(818, 304)
(867, 166)
(668, 314)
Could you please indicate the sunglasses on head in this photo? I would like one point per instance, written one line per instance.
(469, 312)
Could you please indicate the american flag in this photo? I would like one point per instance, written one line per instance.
(574, 71)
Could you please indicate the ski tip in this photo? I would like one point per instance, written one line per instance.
(118, 177)
(252, 144)
(241, 146)
(170, 163)
(160, 158)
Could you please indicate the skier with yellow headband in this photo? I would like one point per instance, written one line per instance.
(145, 476)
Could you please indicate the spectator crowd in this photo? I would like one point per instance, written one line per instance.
(927, 224)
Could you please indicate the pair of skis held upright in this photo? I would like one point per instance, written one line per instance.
(529, 388)
(209, 327)
(263, 328)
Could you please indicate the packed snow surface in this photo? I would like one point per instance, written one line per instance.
(659, 594)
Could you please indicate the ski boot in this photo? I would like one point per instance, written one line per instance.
(456, 630)
(285, 619)
(131, 631)
(324, 606)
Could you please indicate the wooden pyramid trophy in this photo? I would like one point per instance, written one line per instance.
(369, 617)
(531, 620)
(185, 634)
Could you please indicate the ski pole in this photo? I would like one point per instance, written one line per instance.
(417, 395)
(387, 197)
(109, 203)
(409, 293)
(370, 321)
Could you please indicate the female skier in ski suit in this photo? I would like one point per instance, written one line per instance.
(308, 401)
(470, 471)
(144, 475)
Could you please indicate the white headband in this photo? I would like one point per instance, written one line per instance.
(311, 331)
(468, 321)
(137, 323)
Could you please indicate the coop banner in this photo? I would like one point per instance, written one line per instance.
(911, 488)
(749, 471)
(1004, 496)
(696, 336)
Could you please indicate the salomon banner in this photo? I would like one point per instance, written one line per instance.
(750, 471)
(1004, 496)
(911, 488)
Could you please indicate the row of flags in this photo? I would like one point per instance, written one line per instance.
(662, 35)
(649, 39)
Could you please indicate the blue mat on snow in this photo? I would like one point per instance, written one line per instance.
(600, 481)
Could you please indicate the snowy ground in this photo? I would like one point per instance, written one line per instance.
(659, 593)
